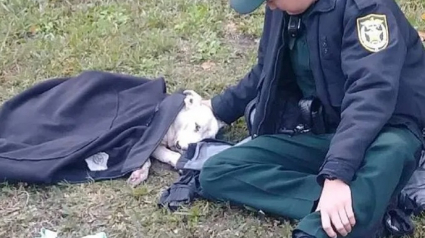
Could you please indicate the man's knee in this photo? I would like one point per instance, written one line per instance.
(210, 176)
(216, 169)
(393, 153)
(397, 142)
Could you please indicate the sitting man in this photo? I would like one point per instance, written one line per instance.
(339, 93)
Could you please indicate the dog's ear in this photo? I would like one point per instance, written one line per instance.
(192, 93)
(192, 98)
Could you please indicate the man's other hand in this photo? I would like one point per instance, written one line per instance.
(335, 206)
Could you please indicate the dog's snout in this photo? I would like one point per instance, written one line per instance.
(178, 146)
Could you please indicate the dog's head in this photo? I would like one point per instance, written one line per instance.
(194, 123)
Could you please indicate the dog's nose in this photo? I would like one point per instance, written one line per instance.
(178, 146)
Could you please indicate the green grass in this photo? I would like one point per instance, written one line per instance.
(195, 44)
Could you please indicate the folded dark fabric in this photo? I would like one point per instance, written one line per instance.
(415, 191)
(186, 188)
(182, 192)
(398, 217)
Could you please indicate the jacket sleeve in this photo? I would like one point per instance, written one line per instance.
(230, 104)
(371, 88)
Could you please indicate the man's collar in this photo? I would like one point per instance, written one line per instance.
(319, 6)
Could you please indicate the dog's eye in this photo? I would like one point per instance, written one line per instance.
(197, 127)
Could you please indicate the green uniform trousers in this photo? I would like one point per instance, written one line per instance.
(277, 174)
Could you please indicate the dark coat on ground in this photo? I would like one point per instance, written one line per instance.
(360, 90)
(48, 130)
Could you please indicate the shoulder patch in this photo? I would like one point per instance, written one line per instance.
(373, 32)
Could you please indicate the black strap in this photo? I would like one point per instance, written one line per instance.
(305, 110)
(313, 115)
(318, 117)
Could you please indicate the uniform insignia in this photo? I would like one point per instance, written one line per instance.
(373, 32)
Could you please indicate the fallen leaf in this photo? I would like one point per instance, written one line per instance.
(207, 65)
(33, 29)
(231, 27)
(423, 16)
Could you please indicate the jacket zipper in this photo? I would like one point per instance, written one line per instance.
(269, 90)
(248, 111)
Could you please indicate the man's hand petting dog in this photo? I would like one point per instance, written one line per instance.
(193, 123)
(335, 206)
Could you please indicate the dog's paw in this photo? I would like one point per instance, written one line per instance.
(167, 156)
(137, 177)
(172, 159)
(140, 175)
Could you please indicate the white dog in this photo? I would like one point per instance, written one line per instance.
(194, 123)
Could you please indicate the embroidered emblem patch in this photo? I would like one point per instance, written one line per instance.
(373, 32)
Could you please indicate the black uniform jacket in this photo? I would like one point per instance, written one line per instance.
(369, 66)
